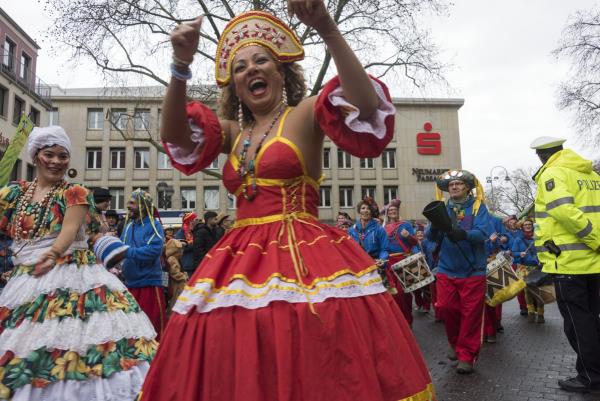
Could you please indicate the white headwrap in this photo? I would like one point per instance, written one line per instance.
(45, 137)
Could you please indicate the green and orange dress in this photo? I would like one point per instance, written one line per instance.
(74, 333)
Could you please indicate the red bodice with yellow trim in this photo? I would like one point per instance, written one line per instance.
(282, 181)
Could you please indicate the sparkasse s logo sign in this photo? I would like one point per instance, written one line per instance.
(429, 143)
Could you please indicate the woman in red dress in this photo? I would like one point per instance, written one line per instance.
(283, 307)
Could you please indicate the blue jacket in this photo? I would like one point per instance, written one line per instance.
(141, 267)
(374, 242)
(471, 258)
(513, 236)
(395, 237)
(520, 245)
(498, 227)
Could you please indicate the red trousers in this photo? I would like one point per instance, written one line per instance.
(403, 300)
(461, 305)
(492, 320)
(152, 302)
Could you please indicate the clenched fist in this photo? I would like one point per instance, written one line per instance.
(184, 39)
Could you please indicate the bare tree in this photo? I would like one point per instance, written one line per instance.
(580, 92)
(131, 37)
(596, 166)
(512, 196)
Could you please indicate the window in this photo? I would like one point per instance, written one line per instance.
(95, 119)
(30, 172)
(18, 109)
(163, 161)
(326, 158)
(389, 193)
(346, 196)
(388, 158)
(141, 119)
(10, 48)
(119, 118)
(367, 163)
(214, 165)
(118, 197)
(94, 158)
(231, 201)
(3, 101)
(344, 159)
(211, 198)
(164, 196)
(34, 114)
(142, 158)
(367, 191)
(117, 158)
(325, 197)
(188, 198)
(53, 116)
(25, 71)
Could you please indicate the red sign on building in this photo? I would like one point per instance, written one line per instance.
(429, 143)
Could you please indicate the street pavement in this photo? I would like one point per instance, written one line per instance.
(524, 364)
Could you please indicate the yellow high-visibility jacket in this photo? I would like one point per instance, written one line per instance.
(567, 211)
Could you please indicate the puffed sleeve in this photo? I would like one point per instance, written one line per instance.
(208, 136)
(339, 120)
(77, 195)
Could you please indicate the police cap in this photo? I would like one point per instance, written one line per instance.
(546, 142)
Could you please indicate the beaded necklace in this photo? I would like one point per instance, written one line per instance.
(242, 171)
(39, 210)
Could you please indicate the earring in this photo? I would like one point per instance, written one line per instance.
(240, 115)
(284, 99)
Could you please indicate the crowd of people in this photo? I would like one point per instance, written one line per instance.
(275, 305)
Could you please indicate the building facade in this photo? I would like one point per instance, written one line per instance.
(21, 90)
(115, 133)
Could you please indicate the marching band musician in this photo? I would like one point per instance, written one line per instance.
(525, 257)
(461, 277)
(401, 240)
(371, 236)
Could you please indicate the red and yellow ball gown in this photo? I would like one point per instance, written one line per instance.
(285, 308)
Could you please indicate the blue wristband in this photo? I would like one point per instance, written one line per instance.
(182, 76)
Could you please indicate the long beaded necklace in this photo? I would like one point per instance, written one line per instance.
(39, 210)
(242, 171)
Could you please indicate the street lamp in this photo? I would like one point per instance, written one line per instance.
(491, 178)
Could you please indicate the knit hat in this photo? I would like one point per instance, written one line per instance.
(109, 250)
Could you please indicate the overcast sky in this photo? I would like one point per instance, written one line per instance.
(501, 66)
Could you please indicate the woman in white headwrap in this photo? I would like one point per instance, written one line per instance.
(69, 330)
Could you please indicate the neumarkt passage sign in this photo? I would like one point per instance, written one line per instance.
(428, 174)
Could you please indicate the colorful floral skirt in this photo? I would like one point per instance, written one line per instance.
(74, 333)
(287, 311)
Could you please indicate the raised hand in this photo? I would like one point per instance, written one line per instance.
(312, 13)
(184, 40)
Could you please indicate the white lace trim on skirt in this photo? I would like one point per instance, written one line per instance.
(121, 386)
(205, 298)
(25, 288)
(75, 334)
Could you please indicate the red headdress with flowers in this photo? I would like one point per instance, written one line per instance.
(255, 28)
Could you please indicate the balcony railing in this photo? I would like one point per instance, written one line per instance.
(25, 77)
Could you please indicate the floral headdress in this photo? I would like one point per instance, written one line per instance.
(255, 28)
(369, 201)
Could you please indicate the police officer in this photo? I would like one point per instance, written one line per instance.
(567, 211)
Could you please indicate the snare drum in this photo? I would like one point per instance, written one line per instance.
(413, 272)
(502, 282)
